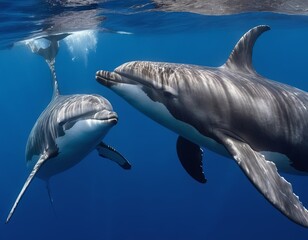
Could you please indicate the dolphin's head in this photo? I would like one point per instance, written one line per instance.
(158, 77)
(94, 111)
(73, 120)
(146, 85)
(159, 90)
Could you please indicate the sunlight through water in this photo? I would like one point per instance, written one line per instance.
(81, 43)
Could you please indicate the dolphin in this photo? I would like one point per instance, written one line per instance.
(68, 129)
(231, 110)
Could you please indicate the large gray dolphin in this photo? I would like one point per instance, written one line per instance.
(231, 110)
(68, 129)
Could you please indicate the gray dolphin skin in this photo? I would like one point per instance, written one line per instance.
(68, 129)
(231, 110)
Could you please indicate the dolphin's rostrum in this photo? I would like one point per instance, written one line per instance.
(231, 110)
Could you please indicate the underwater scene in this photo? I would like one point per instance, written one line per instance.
(151, 119)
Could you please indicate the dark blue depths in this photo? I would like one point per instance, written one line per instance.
(156, 199)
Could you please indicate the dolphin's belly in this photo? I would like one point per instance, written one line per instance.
(282, 162)
(62, 162)
(158, 112)
(73, 147)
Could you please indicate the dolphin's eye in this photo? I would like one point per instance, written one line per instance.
(169, 92)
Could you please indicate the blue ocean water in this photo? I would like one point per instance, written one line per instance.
(156, 199)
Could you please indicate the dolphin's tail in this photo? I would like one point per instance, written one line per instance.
(54, 81)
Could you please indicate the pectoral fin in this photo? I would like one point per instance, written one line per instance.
(109, 152)
(263, 174)
(190, 156)
(35, 169)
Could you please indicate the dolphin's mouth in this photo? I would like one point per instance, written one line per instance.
(111, 117)
(101, 116)
(109, 79)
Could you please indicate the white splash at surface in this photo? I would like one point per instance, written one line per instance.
(81, 43)
(35, 44)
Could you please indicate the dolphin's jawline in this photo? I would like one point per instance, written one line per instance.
(117, 77)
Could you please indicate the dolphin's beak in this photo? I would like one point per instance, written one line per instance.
(113, 117)
(108, 79)
(110, 117)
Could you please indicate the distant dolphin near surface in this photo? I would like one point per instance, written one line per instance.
(231, 110)
(67, 130)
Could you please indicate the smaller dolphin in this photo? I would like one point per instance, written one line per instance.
(68, 130)
(231, 110)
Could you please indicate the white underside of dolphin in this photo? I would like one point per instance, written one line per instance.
(230, 110)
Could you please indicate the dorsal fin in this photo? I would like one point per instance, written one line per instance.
(241, 57)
